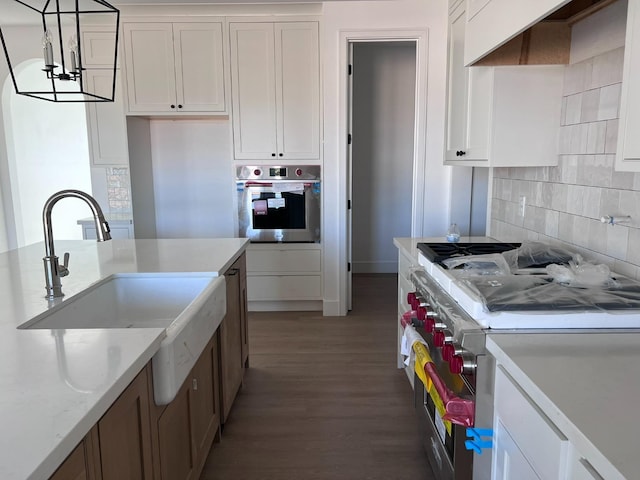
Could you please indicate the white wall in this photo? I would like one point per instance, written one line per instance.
(384, 78)
(193, 178)
(43, 149)
(340, 17)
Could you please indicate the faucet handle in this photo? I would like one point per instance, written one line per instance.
(63, 270)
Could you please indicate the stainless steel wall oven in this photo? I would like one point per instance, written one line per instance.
(279, 204)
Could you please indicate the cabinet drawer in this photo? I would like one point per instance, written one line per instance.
(544, 446)
(284, 287)
(275, 261)
(405, 264)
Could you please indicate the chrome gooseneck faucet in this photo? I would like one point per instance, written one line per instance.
(53, 271)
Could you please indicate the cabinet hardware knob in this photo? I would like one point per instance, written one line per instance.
(173, 106)
(194, 383)
(273, 154)
(179, 106)
(460, 153)
(282, 154)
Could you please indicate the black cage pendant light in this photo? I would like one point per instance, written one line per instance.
(78, 42)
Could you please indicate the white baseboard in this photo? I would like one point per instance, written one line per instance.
(285, 306)
(331, 308)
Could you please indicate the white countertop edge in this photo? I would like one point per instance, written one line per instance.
(584, 446)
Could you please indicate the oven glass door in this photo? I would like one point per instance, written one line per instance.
(279, 211)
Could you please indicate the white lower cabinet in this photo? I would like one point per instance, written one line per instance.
(285, 277)
(526, 444)
(542, 445)
(509, 461)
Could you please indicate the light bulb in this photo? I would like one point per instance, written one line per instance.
(47, 48)
(73, 48)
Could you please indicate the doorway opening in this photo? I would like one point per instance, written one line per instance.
(47, 151)
(382, 115)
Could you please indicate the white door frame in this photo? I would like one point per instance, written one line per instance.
(420, 37)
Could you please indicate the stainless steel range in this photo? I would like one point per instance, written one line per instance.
(452, 310)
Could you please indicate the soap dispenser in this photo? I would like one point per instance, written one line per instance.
(453, 234)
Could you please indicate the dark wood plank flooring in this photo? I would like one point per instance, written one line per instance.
(322, 398)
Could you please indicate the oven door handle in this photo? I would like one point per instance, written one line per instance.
(460, 411)
(252, 183)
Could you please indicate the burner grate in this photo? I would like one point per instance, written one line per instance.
(438, 252)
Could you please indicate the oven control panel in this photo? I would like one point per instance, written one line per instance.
(278, 172)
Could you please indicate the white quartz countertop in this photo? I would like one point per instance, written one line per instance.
(588, 386)
(56, 384)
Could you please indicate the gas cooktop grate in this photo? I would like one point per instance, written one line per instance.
(438, 252)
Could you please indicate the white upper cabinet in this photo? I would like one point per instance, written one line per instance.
(275, 78)
(175, 68)
(490, 123)
(493, 22)
(106, 122)
(628, 150)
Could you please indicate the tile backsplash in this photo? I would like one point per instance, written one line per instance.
(118, 189)
(565, 203)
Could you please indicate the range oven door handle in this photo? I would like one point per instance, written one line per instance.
(460, 411)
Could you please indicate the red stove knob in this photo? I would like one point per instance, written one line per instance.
(448, 351)
(412, 299)
(438, 339)
(421, 313)
(257, 172)
(429, 324)
(456, 364)
(298, 172)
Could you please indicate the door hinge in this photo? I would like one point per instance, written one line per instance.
(349, 139)
(350, 69)
(348, 204)
(348, 266)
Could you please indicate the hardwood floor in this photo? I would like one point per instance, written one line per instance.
(323, 399)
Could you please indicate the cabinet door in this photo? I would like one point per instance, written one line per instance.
(468, 99)
(628, 151)
(125, 434)
(106, 121)
(509, 462)
(244, 315)
(199, 67)
(82, 463)
(298, 92)
(254, 90)
(151, 83)
(232, 366)
(205, 402)
(175, 438)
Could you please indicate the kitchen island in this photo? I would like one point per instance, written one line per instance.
(50, 397)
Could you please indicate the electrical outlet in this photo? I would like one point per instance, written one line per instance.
(523, 205)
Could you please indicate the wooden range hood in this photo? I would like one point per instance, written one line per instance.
(548, 41)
